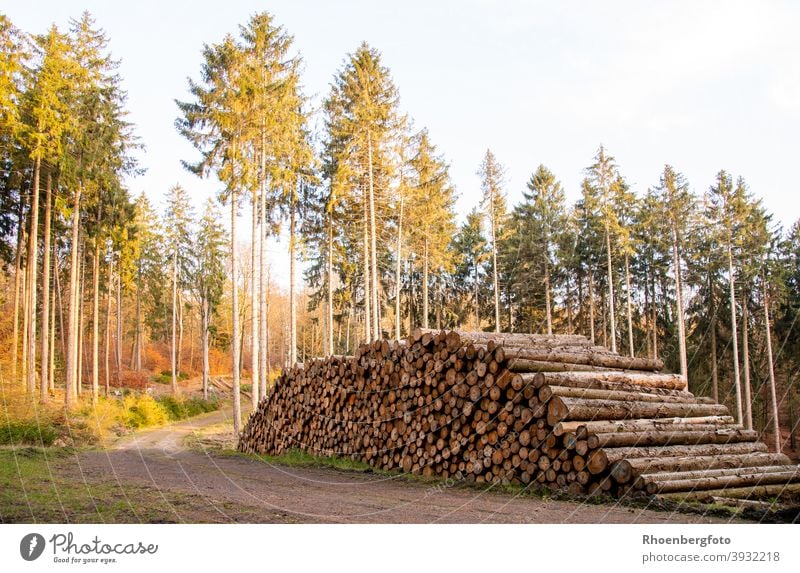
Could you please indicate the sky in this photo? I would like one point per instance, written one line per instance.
(700, 85)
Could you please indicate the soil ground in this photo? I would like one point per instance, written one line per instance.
(190, 484)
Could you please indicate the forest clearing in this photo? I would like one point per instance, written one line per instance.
(632, 355)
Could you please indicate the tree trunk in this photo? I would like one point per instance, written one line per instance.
(33, 253)
(237, 406)
(61, 329)
(51, 373)
(477, 299)
(397, 274)
(748, 400)
(70, 393)
(204, 336)
(772, 390)
(425, 284)
(548, 310)
(18, 286)
(173, 349)
(96, 321)
(654, 312)
(267, 358)
(26, 300)
(676, 261)
(45, 369)
(373, 244)
(107, 368)
(611, 309)
(255, 304)
(263, 373)
(713, 327)
(646, 317)
(81, 323)
(735, 341)
(629, 304)
(494, 264)
(179, 361)
(137, 361)
(292, 301)
(367, 290)
(591, 307)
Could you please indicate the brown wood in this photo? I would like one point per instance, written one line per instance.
(450, 404)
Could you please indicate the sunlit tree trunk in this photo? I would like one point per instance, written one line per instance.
(173, 349)
(547, 304)
(18, 289)
(267, 349)
(425, 279)
(237, 405)
(591, 308)
(373, 244)
(45, 368)
(95, 321)
(204, 337)
(735, 341)
(676, 261)
(107, 368)
(714, 367)
(494, 264)
(138, 336)
(262, 276)
(611, 309)
(81, 320)
(292, 301)
(477, 299)
(772, 390)
(51, 370)
(748, 400)
(367, 290)
(33, 252)
(397, 277)
(255, 305)
(629, 302)
(72, 327)
(179, 361)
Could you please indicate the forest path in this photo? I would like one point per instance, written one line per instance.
(213, 487)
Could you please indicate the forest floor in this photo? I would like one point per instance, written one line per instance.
(186, 472)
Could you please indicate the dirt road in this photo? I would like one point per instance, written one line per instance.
(219, 488)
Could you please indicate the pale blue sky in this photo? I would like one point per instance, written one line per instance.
(700, 85)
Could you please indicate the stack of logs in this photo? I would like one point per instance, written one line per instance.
(518, 408)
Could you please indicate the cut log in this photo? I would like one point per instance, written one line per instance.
(548, 391)
(559, 409)
(586, 357)
(624, 471)
(603, 426)
(753, 492)
(600, 459)
(587, 379)
(670, 437)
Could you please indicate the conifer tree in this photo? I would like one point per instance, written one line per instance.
(491, 174)
(603, 174)
(430, 206)
(678, 208)
(208, 277)
(178, 219)
(361, 121)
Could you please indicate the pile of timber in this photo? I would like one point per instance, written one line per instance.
(556, 411)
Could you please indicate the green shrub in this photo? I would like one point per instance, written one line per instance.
(143, 410)
(165, 377)
(31, 432)
(180, 408)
